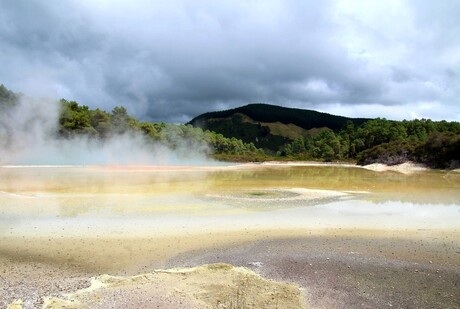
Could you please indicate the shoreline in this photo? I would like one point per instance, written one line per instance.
(224, 165)
(46, 277)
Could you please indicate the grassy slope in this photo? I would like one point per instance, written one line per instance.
(270, 126)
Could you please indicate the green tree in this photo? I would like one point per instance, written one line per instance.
(101, 122)
(327, 146)
(298, 145)
(8, 98)
(75, 119)
(120, 120)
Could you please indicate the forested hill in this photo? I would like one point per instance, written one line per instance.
(303, 118)
(270, 126)
(309, 135)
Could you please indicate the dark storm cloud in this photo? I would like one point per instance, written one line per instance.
(173, 60)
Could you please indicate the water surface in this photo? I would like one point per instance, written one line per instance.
(130, 200)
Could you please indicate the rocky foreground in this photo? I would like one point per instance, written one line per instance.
(354, 269)
(208, 286)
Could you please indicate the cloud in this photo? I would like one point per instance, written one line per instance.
(171, 61)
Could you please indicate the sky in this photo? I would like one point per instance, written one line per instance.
(173, 60)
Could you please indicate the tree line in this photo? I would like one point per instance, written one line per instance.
(78, 119)
(434, 143)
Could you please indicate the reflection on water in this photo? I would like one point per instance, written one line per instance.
(47, 193)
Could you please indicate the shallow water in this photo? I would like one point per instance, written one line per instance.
(130, 201)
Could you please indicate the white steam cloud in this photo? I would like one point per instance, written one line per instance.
(28, 136)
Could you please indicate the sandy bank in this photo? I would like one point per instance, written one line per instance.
(227, 166)
(32, 268)
(361, 269)
(208, 286)
(404, 168)
(58, 267)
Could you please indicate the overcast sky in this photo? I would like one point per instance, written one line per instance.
(172, 60)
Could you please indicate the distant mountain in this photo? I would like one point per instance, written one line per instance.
(270, 126)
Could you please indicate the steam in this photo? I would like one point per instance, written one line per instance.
(28, 136)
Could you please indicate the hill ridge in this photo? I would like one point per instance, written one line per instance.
(264, 112)
(234, 123)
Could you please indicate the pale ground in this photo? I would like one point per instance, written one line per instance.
(404, 168)
(355, 269)
(33, 268)
(314, 267)
(209, 286)
(330, 268)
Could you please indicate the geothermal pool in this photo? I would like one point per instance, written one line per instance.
(130, 201)
(125, 220)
